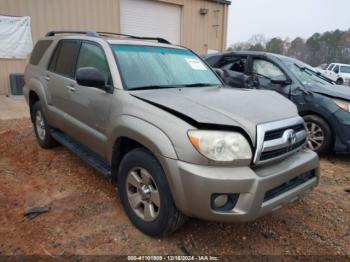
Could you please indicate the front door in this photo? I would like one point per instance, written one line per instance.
(89, 107)
(270, 76)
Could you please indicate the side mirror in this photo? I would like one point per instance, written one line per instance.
(90, 76)
(252, 82)
(278, 81)
(219, 72)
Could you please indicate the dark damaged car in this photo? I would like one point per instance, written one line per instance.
(324, 105)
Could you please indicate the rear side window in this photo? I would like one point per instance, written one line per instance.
(345, 69)
(235, 63)
(64, 58)
(212, 61)
(39, 51)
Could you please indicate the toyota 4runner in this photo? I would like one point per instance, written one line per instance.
(159, 122)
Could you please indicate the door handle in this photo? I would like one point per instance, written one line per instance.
(47, 78)
(71, 88)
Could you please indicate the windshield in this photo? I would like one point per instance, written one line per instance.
(159, 67)
(345, 69)
(306, 73)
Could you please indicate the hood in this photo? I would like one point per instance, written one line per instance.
(335, 91)
(242, 108)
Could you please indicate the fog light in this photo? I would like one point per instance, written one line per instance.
(220, 201)
(224, 202)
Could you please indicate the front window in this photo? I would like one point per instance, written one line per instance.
(336, 69)
(345, 69)
(92, 55)
(155, 67)
(267, 69)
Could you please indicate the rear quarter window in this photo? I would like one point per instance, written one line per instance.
(39, 51)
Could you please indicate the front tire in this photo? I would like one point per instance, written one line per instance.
(340, 81)
(146, 196)
(41, 127)
(319, 134)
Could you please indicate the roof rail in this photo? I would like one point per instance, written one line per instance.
(160, 40)
(98, 34)
(88, 33)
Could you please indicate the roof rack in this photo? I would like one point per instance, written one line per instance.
(99, 34)
(158, 39)
(88, 33)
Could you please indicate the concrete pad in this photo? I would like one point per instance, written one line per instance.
(13, 107)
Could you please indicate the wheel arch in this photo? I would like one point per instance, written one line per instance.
(35, 93)
(309, 112)
(340, 78)
(131, 133)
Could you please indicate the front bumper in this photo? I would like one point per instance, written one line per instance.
(192, 186)
(341, 126)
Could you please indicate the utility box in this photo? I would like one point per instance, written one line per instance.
(16, 84)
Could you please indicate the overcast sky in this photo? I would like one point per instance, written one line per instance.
(285, 18)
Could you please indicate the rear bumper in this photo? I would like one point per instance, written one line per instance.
(192, 186)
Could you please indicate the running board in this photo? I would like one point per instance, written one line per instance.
(83, 152)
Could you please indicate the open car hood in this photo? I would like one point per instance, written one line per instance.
(242, 108)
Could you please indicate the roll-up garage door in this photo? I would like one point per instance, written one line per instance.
(151, 18)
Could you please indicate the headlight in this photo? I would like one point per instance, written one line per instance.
(221, 146)
(342, 104)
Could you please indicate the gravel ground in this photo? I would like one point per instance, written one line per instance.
(86, 217)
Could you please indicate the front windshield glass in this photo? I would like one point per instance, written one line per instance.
(345, 69)
(159, 67)
(306, 73)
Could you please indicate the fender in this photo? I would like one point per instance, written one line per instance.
(54, 119)
(36, 86)
(142, 132)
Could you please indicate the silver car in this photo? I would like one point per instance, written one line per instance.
(159, 122)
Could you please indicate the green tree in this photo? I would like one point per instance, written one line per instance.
(275, 45)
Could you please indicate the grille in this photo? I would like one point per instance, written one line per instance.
(293, 183)
(279, 139)
(271, 135)
(281, 151)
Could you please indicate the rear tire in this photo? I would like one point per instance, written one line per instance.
(41, 127)
(146, 196)
(319, 134)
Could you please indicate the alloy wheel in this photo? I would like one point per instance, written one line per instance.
(315, 137)
(40, 125)
(143, 194)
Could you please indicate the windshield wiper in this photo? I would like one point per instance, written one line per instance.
(152, 87)
(199, 85)
(171, 86)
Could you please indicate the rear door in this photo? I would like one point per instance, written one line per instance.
(60, 76)
(89, 107)
(235, 69)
